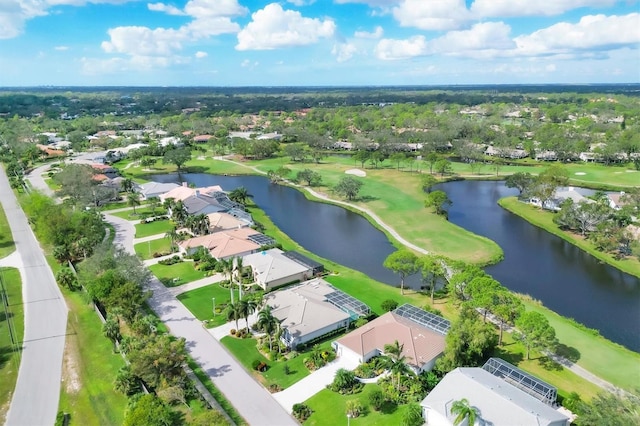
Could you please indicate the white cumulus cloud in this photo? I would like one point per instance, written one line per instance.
(393, 49)
(592, 34)
(343, 51)
(166, 8)
(144, 41)
(200, 54)
(432, 15)
(274, 27)
(375, 34)
(509, 8)
(480, 40)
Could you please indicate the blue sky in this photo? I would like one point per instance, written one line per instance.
(318, 42)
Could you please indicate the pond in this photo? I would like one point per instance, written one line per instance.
(563, 277)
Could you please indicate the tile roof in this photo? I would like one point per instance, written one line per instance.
(272, 265)
(224, 244)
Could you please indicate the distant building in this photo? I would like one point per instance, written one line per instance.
(272, 268)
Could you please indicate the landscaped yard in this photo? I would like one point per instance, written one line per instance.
(245, 351)
(177, 274)
(9, 357)
(141, 212)
(200, 303)
(7, 246)
(145, 250)
(153, 228)
(329, 408)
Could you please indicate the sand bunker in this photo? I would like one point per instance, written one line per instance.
(356, 172)
(580, 173)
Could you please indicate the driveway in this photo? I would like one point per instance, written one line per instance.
(36, 396)
(254, 403)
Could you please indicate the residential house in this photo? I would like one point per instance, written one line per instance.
(155, 189)
(497, 401)
(224, 244)
(106, 170)
(421, 334)
(559, 197)
(513, 153)
(615, 200)
(313, 309)
(272, 268)
(180, 193)
(224, 221)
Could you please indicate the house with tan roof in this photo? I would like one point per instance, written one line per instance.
(421, 334)
(223, 245)
(221, 221)
(313, 309)
(271, 269)
(183, 192)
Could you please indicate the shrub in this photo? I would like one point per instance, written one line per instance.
(301, 412)
(170, 261)
(354, 408)
(345, 382)
(389, 305)
(255, 364)
(360, 322)
(233, 331)
(286, 370)
(376, 399)
(274, 387)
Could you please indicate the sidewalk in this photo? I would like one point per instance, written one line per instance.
(197, 284)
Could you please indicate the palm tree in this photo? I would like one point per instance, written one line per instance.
(398, 365)
(133, 199)
(247, 307)
(179, 213)
(66, 278)
(239, 195)
(227, 270)
(111, 329)
(268, 323)
(173, 236)
(200, 225)
(233, 312)
(463, 410)
(127, 185)
(154, 202)
(238, 268)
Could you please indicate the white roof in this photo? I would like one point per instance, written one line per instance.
(304, 309)
(273, 265)
(157, 187)
(498, 402)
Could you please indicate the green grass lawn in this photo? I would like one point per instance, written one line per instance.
(146, 250)
(200, 303)
(9, 356)
(153, 228)
(612, 362)
(544, 220)
(245, 351)
(184, 271)
(7, 246)
(140, 212)
(329, 408)
(89, 370)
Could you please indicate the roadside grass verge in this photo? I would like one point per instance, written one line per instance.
(544, 219)
(141, 212)
(607, 360)
(199, 302)
(177, 274)
(147, 249)
(89, 370)
(7, 245)
(153, 228)
(330, 408)
(10, 355)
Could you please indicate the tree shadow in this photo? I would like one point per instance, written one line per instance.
(194, 169)
(367, 198)
(4, 316)
(568, 352)
(513, 358)
(5, 354)
(549, 364)
(388, 407)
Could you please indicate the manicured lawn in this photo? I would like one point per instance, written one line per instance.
(140, 212)
(397, 198)
(605, 359)
(153, 228)
(146, 250)
(89, 370)
(9, 356)
(7, 246)
(200, 303)
(329, 408)
(245, 351)
(184, 271)
(544, 220)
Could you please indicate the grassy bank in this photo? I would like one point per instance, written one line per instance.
(89, 370)
(147, 249)
(200, 303)
(544, 219)
(177, 274)
(607, 360)
(153, 228)
(10, 354)
(7, 246)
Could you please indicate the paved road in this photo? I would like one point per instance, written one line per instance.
(36, 396)
(254, 403)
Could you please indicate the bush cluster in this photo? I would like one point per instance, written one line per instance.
(170, 261)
